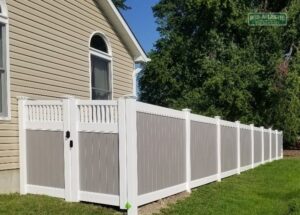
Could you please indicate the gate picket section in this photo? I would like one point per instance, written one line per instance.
(98, 143)
(42, 158)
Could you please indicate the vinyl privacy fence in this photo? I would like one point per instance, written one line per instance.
(127, 153)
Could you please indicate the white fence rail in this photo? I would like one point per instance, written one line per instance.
(44, 115)
(130, 153)
(98, 116)
(105, 112)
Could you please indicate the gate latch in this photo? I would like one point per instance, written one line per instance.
(71, 143)
(68, 134)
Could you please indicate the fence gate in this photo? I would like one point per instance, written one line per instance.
(70, 149)
(98, 152)
(43, 149)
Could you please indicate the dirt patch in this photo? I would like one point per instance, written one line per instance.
(155, 207)
(291, 153)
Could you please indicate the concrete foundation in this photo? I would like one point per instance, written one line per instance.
(10, 181)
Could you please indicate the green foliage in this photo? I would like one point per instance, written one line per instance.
(121, 4)
(287, 103)
(210, 60)
(272, 189)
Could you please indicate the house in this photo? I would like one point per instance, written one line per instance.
(49, 49)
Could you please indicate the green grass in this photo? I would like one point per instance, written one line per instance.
(39, 205)
(271, 189)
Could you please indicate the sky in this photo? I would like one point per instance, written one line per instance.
(141, 21)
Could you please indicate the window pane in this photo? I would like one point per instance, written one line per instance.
(1, 46)
(97, 42)
(1, 92)
(100, 73)
(100, 94)
(100, 78)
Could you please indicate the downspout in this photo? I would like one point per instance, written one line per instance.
(138, 68)
(139, 65)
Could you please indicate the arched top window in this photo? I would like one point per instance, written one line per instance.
(101, 72)
(97, 42)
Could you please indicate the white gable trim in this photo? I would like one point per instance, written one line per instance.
(124, 31)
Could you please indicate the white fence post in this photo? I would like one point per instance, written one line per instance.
(252, 145)
(187, 113)
(22, 143)
(74, 150)
(270, 143)
(276, 139)
(238, 142)
(67, 151)
(281, 148)
(218, 125)
(262, 144)
(131, 140)
(122, 152)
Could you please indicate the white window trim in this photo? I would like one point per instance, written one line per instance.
(100, 54)
(105, 56)
(4, 20)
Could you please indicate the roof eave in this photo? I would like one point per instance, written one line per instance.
(124, 31)
(142, 59)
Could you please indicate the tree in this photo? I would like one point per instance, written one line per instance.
(121, 4)
(210, 60)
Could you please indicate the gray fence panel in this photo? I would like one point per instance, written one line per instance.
(161, 152)
(45, 158)
(273, 145)
(228, 148)
(280, 144)
(266, 146)
(203, 150)
(245, 135)
(257, 147)
(99, 162)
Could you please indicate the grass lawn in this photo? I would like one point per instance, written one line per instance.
(39, 205)
(269, 189)
(272, 189)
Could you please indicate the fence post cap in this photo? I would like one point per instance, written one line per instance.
(252, 125)
(217, 117)
(237, 122)
(22, 97)
(186, 110)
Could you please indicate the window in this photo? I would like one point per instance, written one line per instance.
(2, 70)
(3, 61)
(100, 68)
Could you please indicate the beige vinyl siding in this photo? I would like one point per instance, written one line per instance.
(49, 58)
